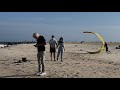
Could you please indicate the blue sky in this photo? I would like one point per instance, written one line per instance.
(19, 26)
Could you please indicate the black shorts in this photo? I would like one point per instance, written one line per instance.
(52, 49)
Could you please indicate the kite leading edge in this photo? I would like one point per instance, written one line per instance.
(101, 39)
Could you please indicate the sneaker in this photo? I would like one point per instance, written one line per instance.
(38, 74)
(44, 73)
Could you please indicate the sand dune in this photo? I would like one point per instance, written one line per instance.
(77, 63)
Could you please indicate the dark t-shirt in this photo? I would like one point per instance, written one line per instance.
(106, 46)
(41, 40)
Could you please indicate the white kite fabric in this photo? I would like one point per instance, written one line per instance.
(101, 39)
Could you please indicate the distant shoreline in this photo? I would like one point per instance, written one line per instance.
(92, 42)
(73, 42)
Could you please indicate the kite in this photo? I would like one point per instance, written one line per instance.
(101, 39)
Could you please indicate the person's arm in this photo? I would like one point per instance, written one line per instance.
(57, 44)
(42, 44)
(64, 46)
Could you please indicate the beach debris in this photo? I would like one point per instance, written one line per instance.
(20, 61)
(24, 59)
(82, 41)
(76, 45)
(81, 50)
(118, 47)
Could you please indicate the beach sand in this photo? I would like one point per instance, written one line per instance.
(77, 63)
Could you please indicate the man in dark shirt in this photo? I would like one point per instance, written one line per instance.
(41, 42)
(106, 46)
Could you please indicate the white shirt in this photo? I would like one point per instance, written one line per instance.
(53, 42)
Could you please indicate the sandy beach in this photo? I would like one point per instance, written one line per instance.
(77, 63)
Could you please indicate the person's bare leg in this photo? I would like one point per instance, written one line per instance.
(54, 56)
(61, 54)
(58, 54)
(51, 56)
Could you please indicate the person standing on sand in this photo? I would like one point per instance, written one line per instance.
(106, 46)
(41, 42)
(53, 44)
(61, 48)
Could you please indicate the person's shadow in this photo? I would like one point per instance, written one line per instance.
(18, 76)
